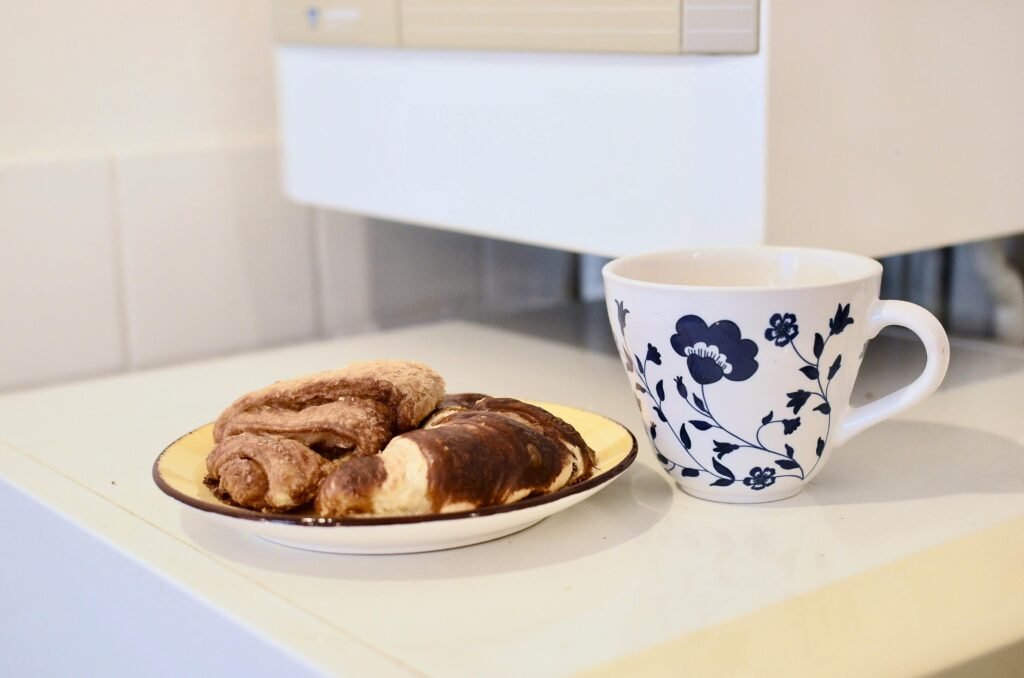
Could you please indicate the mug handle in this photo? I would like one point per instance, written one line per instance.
(936, 344)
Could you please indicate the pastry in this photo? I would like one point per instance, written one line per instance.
(350, 424)
(356, 409)
(264, 472)
(542, 421)
(472, 452)
(452, 403)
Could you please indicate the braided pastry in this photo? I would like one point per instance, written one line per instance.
(274, 445)
(356, 409)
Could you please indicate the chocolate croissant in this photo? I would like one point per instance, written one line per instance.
(264, 472)
(356, 409)
(534, 417)
(473, 452)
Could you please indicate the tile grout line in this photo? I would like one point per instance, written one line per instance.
(223, 563)
(117, 247)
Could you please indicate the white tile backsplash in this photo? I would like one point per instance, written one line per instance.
(215, 259)
(59, 303)
(131, 261)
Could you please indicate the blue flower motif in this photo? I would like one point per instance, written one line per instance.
(760, 478)
(783, 329)
(715, 351)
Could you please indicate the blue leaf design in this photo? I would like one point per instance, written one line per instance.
(790, 451)
(660, 388)
(790, 425)
(824, 408)
(723, 469)
(654, 431)
(810, 371)
(820, 448)
(662, 458)
(819, 345)
(684, 437)
(639, 365)
(724, 448)
(835, 367)
(798, 399)
(681, 387)
(700, 425)
(700, 404)
(840, 320)
(622, 311)
(766, 419)
(722, 482)
(689, 472)
(787, 464)
(661, 415)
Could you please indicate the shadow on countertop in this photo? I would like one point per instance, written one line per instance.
(892, 463)
(622, 511)
(906, 461)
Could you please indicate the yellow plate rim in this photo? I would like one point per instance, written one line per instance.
(591, 483)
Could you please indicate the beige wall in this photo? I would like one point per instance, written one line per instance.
(141, 217)
(95, 77)
(906, 126)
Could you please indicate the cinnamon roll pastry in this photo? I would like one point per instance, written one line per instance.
(473, 452)
(355, 409)
(263, 472)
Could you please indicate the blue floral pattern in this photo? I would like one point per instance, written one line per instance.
(782, 329)
(760, 478)
(714, 351)
(719, 351)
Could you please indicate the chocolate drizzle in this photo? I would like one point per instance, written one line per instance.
(547, 424)
(460, 401)
(452, 403)
(483, 458)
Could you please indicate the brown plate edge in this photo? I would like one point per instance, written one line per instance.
(313, 521)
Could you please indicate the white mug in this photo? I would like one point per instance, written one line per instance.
(743, 360)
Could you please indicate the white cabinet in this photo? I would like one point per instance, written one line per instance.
(871, 126)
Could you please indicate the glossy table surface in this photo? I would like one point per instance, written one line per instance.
(639, 576)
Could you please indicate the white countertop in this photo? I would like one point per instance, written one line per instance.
(637, 565)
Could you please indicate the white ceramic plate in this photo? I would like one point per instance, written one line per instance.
(180, 469)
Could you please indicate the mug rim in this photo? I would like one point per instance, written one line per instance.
(871, 267)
